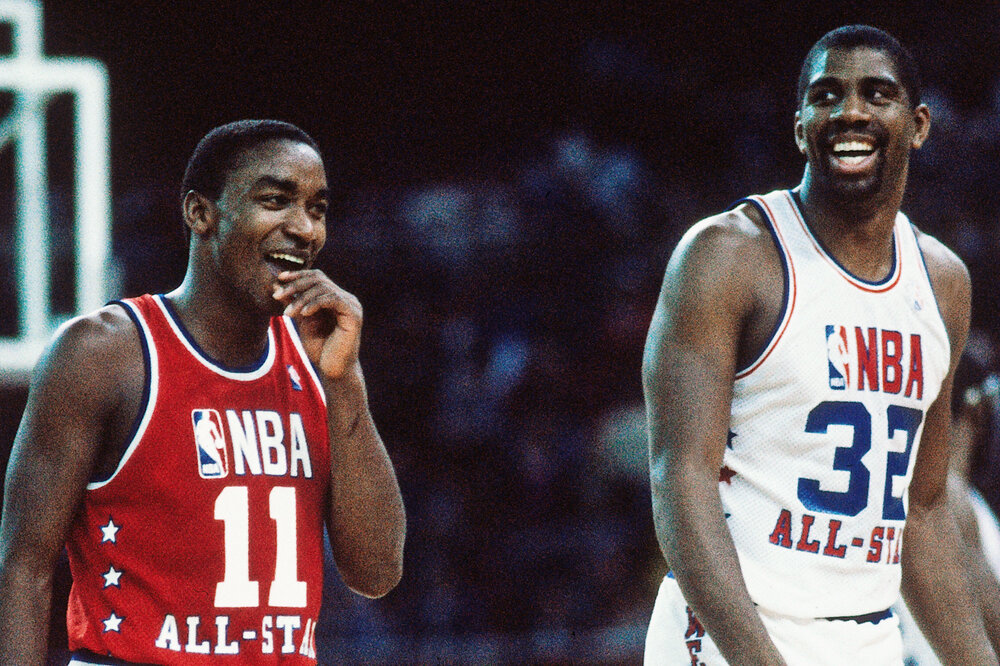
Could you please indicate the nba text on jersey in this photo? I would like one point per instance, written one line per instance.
(880, 360)
(258, 444)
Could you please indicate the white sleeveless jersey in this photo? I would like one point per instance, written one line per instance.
(825, 425)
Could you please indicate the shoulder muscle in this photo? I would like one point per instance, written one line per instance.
(714, 273)
(78, 381)
(952, 289)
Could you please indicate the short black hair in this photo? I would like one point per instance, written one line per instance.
(855, 36)
(216, 154)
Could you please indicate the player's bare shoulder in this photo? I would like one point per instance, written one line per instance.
(92, 352)
(950, 281)
(734, 252)
(735, 237)
(736, 231)
(947, 271)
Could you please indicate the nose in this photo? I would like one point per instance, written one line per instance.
(853, 108)
(304, 225)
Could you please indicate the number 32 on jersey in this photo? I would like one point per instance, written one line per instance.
(855, 415)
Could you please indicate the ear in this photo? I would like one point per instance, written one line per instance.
(200, 213)
(922, 123)
(800, 133)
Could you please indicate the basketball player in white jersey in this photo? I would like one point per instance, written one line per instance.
(797, 375)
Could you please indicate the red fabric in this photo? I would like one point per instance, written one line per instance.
(169, 546)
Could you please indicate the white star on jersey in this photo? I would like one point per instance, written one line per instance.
(112, 577)
(113, 623)
(110, 531)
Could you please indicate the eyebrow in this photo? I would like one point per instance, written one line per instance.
(284, 184)
(834, 81)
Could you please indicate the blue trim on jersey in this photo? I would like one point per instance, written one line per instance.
(867, 618)
(927, 274)
(887, 279)
(147, 365)
(785, 276)
(253, 367)
(88, 657)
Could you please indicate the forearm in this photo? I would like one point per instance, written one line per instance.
(988, 594)
(367, 521)
(691, 529)
(937, 590)
(24, 617)
(984, 582)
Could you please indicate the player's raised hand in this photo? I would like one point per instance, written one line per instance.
(328, 318)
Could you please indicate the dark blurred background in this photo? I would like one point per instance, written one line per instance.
(510, 179)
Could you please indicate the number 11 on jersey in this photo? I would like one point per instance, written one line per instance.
(236, 590)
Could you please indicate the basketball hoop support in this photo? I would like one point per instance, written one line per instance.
(32, 79)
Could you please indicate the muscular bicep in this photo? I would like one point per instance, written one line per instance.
(693, 345)
(70, 404)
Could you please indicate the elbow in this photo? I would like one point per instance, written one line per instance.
(373, 571)
(377, 580)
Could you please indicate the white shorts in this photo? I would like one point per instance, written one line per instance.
(676, 638)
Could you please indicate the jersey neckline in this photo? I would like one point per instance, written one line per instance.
(885, 284)
(242, 373)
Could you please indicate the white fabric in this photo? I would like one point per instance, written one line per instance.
(673, 640)
(817, 525)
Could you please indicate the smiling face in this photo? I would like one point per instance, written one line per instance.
(270, 217)
(856, 125)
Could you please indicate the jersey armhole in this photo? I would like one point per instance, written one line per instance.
(147, 400)
(788, 287)
(293, 334)
(927, 276)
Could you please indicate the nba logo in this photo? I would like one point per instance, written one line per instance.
(837, 357)
(293, 375)
(210, 443)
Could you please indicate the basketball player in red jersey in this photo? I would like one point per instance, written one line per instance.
(190, 448)
(798, 375)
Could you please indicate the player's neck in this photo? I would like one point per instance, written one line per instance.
(227, 330)
(858, 233)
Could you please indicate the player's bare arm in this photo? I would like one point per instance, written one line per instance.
(716, 295)
(367, 520)
(984, 581)
(82, 395)
(935, 582)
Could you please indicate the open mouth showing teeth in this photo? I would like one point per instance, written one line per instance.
(853, 152)
(288, 262)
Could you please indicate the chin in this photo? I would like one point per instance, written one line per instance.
(272, 307)
(856, 192)
(852, 192)
(262, 301)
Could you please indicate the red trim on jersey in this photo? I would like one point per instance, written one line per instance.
(860, 284)
(791, 291)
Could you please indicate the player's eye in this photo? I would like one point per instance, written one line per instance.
(879, 96)
(275, 200)
(822, 96)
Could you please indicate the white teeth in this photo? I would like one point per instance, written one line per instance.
(852, 146)
(852, 159)
(287, 257)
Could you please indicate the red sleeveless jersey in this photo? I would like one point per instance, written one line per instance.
(206, 544)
